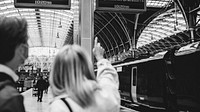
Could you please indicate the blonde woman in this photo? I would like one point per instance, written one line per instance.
(76, 88)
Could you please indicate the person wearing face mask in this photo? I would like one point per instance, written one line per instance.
(13, 52)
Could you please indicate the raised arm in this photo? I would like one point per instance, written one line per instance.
(107, 79)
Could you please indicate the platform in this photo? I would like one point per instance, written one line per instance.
(31, 104)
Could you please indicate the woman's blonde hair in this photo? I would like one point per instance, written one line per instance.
(72, 68)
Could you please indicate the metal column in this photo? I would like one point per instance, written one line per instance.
(86, 24)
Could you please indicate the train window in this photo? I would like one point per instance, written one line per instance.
(134, 75)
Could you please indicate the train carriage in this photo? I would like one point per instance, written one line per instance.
(168, 82)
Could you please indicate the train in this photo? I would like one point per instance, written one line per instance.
(168, 81)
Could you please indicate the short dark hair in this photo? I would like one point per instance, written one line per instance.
(13, 32)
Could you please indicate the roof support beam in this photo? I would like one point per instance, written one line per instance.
(195, 10)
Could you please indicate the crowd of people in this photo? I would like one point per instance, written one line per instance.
(74, 85)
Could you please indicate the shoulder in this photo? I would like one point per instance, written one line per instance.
(9, 93)
(107, 101)
(8, 89)
(57, 105)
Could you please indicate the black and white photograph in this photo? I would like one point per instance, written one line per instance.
(99, 55)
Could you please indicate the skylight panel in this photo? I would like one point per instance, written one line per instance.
(157, 3)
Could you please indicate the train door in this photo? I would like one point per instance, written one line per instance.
(133, 83)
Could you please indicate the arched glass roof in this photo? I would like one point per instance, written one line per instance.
(47, 28)
(50, 28)
(165, 25)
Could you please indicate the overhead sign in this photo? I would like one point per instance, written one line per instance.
(130, 6)
(45, 4)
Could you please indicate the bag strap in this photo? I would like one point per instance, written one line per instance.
(69, 107)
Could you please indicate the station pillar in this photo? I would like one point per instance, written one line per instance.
(86, 24)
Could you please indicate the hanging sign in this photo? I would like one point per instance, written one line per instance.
(44, 4)
(126, 6)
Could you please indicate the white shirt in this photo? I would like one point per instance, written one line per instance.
(9, 71)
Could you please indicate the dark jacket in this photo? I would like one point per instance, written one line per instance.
(41, 84)
(10, 99)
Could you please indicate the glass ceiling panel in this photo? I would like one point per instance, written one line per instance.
(158, 3)
(47, 28)
(164, 25)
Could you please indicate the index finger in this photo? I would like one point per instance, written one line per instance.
(95, 41)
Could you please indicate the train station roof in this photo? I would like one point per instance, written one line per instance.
(163, 25)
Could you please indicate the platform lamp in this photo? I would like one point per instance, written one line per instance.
(57, 35)
(60, 24)
(55, 45)
(176, 20)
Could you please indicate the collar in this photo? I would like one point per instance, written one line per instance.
(9, 71)
(59, 97)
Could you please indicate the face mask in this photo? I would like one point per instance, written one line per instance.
(24, 56)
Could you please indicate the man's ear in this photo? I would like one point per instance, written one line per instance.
(20, 49)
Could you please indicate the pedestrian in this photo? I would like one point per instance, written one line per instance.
(47, 85)
(41, 85)
(14, 51)
(74, 85)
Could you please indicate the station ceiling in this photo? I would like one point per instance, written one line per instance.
(162, 26)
